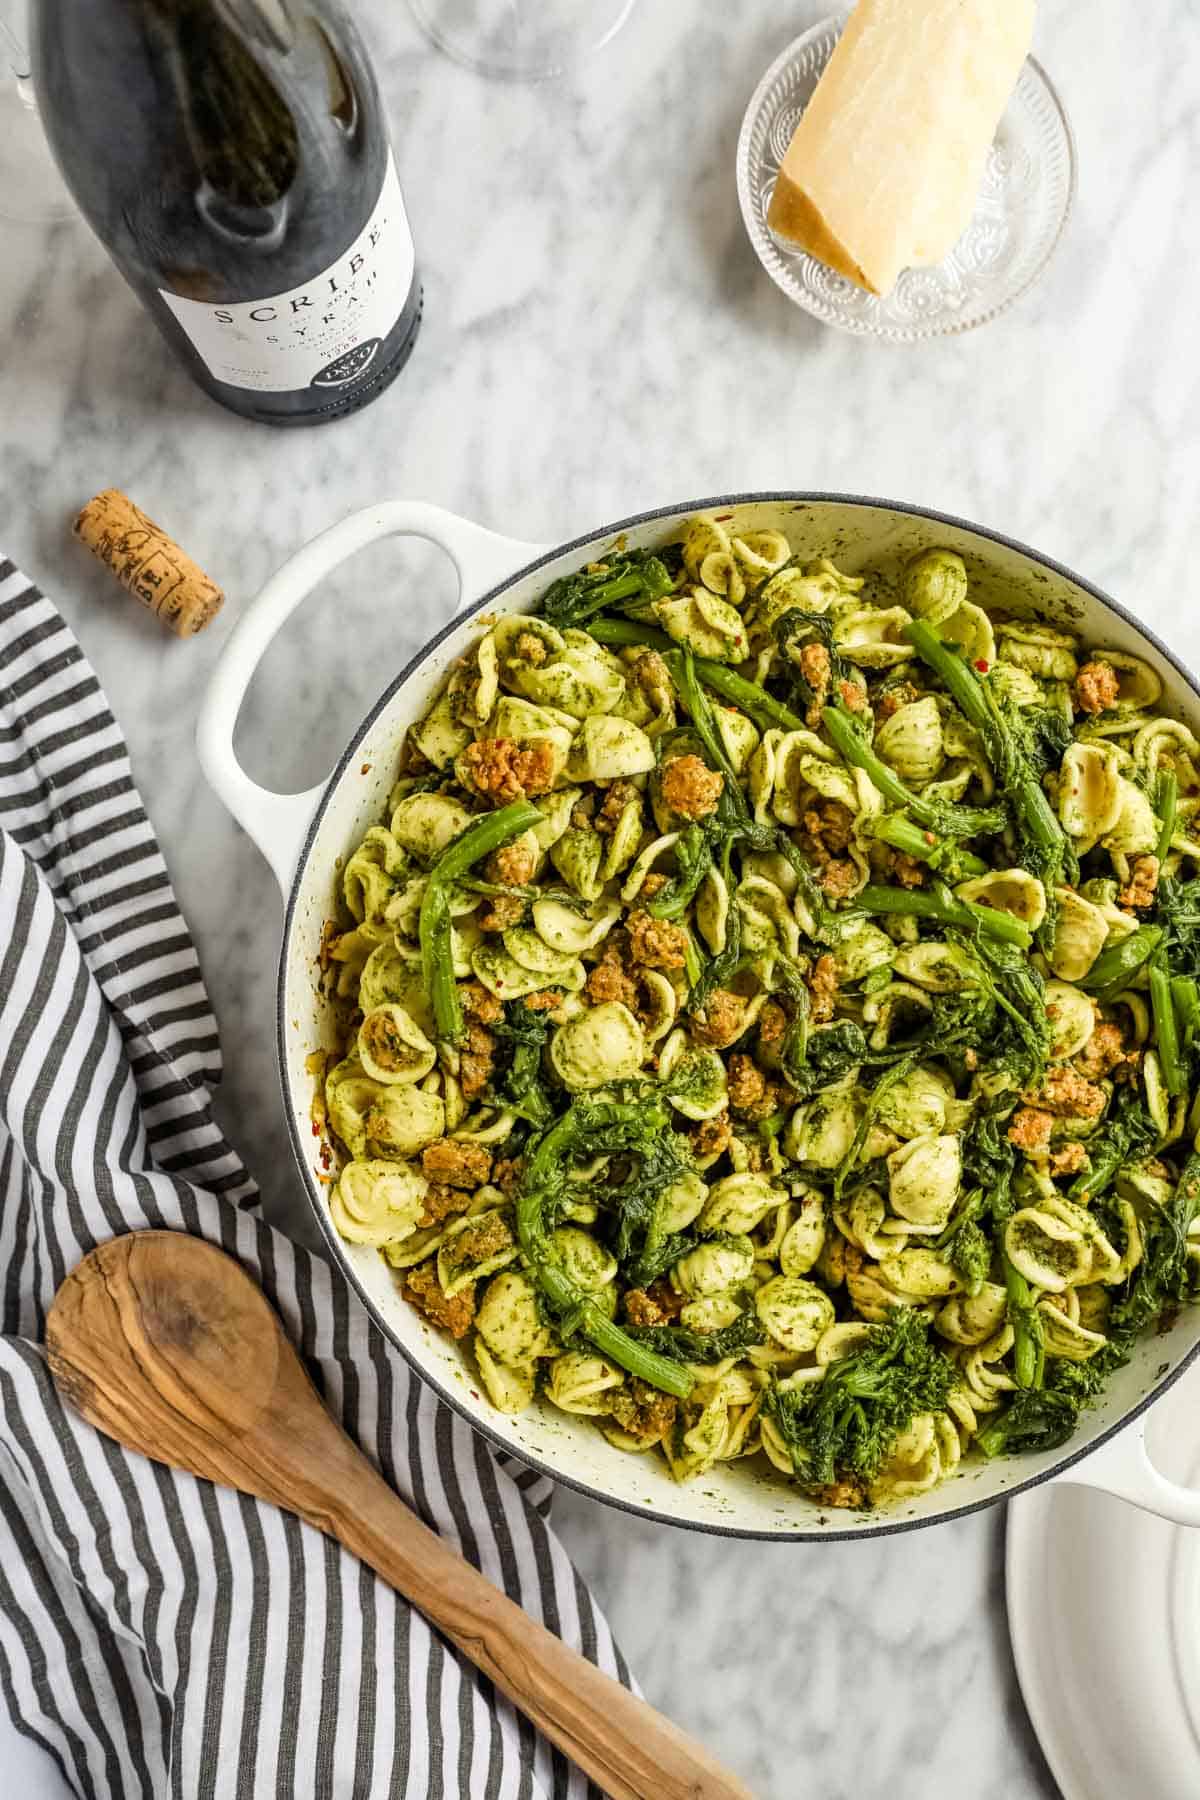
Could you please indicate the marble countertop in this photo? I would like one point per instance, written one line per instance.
(598, 337)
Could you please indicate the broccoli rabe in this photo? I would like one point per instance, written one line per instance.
(587, 1128)
(845, 1424)
(1166, 1277)
(520, 1089)
(677, 1342)
(628, 576)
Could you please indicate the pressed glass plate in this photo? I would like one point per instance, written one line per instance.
(1023, 205)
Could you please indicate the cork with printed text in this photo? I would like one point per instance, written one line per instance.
(148, 563)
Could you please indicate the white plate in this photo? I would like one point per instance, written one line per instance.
(1104, 1613)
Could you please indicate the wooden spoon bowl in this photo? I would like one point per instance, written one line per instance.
(165, 1343)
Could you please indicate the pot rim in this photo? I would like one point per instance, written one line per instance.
(886, 1527)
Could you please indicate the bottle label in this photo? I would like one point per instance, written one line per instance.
(325, 334)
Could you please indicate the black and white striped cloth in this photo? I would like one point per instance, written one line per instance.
(159, 1636)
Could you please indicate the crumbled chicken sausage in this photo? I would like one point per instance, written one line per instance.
(441, 1202)
(505, 770)
(830, 825)
(1096, 687)
(656, 943)
(1103, 1053)
(1143, 882)
(531, 649)
(620, 795)
(423, 1290)
(642, 1411)
(479, 1004)
(1030, 1130)
(903, 694)
(838, 1493)
(459, 1164)
(506, 1173)
(501, 911)
(545, 1000)
(711, 1136)
(1066, 1092)
(722, 1022)
(822, 984)
(690, 788)
(906, 870)
(476, 1060)
(772, 1023)
(1069, 1159)
(750, 1093)
(513, 865)
(838, 878)
(608, 980)
(656, 1305)
(815, 667)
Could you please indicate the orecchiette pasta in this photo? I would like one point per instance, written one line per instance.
(768, 1017)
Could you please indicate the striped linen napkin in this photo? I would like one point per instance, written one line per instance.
(160, 1636)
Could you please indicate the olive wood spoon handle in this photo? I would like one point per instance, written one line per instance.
(165, 1343)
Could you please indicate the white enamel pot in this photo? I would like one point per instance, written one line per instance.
(305, 837)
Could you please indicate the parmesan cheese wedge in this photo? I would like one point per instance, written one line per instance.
(883, 169)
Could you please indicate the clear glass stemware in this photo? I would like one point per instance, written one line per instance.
(524, 40)
(31, 188)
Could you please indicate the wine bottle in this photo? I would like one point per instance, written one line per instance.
(233, 158)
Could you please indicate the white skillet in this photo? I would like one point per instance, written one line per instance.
(304, 837)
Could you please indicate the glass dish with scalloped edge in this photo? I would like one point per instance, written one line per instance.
(1020, 213)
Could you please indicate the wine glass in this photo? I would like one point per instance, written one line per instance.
(31, 189)
(524, 40)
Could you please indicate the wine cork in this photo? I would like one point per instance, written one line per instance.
(148, 563)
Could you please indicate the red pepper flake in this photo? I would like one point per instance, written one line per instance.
(981, 664)
(930, 838)
(316, 1129)
(366, 769)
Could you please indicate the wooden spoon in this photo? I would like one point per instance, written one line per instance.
(166, 1344)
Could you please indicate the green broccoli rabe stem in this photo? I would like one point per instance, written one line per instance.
(976, 703)
(753, 700)
(748, 696)
(693, 968)
(950, 860)
(1166, 1037)
(963, 686)
(628, 633)
(1166, 805)
(1128, 1134)
(479, 839)
(1185, 996)
(1036, 1419)
(1116, 967)
(919, 903)
(942, 816)
(563, 1298)
(682, 667)
(634, 575)
(546, 1163)
(1029, 1340)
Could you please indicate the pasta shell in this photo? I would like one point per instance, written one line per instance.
(1089, 791)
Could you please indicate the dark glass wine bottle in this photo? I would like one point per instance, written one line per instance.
(233, 158)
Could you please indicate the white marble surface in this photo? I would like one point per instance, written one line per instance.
(598, 337)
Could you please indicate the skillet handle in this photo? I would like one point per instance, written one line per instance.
(278, 822)
(1123, 1467)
